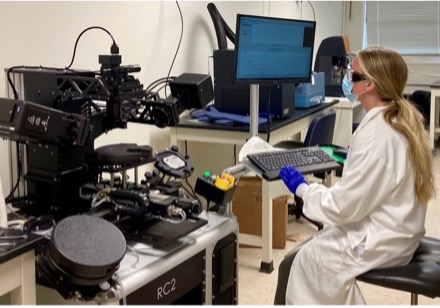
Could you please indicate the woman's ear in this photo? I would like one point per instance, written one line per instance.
(371, 85)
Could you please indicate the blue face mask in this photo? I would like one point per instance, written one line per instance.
(347, 87)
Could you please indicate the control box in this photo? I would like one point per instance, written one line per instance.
(310, 94)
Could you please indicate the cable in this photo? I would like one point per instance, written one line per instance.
(163, 87)
(12, 211)
(178, 46)
(8, 198)
(190, 193)
(114, 48)
(130, 266)
(182, 215)
(313, 10)
(193, 193)
(14, 90)
(158, 82)
(269, 89)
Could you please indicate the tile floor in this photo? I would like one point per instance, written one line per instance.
(257, 288)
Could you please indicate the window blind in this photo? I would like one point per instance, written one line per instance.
(410, 27)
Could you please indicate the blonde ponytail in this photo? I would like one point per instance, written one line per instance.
(387, 69)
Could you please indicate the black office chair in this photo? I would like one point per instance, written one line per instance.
(320, 131)
(422, 100)
(420, 276)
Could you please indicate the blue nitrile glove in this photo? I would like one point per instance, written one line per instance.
(211, 114)
(292, 178)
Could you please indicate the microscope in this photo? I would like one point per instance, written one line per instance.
(62, 112)
(332, 59)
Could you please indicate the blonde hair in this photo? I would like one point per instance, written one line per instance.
(387, 69)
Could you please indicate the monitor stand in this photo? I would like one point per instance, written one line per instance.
(254, 105)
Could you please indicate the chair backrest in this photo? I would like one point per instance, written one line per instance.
(321, 129)
(422, 100)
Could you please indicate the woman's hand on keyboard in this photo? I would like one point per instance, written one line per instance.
(292, 178)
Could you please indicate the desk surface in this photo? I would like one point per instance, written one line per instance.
(20, 246)
(189, 122)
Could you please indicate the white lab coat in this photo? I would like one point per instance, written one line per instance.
(373, 218)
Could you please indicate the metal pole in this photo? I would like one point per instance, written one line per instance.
(254, 102)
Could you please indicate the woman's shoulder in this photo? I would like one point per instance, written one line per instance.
(379, 137)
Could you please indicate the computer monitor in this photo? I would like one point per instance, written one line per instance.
(271, 50)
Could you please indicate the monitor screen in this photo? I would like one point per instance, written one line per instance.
(272, 50)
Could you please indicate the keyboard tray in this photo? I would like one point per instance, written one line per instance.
(312, 165)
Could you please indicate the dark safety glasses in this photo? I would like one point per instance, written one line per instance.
(354, 76)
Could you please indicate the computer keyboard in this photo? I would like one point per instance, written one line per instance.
(305, 160)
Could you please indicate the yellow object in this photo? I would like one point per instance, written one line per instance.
(225, 181)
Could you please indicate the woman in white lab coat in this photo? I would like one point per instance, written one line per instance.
(375, 215)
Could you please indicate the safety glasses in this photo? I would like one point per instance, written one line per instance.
(354, 76)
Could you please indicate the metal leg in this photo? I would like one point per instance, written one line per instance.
(266, 267)
(136, 177)
(112, 179)
(266, 225)
(124, 179)
(414, 299)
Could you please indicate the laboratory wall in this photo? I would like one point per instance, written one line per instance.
(423, 69)
(148, 34)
